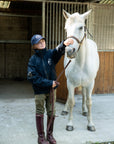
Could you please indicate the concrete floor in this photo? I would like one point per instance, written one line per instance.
(17, 117)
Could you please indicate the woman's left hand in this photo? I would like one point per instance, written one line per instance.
(68, 42)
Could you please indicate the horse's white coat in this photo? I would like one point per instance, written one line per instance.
(83, 68)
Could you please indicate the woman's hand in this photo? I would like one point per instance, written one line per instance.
(55, 84)
(68, 41)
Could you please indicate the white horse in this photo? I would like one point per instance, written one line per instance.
(83, 67)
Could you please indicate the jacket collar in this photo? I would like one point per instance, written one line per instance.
(40, 52)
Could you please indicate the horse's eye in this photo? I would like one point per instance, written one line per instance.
(80, 28)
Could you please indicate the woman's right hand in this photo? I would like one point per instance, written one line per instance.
(68, 41)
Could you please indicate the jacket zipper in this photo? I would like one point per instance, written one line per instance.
(45, 69)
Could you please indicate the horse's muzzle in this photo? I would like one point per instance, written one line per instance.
(71, 53)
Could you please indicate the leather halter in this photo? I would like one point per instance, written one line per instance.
(79, 42)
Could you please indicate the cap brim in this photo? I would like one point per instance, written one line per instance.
(39, 40)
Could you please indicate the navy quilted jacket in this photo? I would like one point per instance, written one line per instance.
(41, 68)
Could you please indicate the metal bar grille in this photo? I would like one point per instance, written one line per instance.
(55, 22)
(100, 23)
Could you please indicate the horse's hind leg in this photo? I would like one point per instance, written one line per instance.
(89, 89)
(84, 106)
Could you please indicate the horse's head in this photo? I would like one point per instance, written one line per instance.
(75, 28)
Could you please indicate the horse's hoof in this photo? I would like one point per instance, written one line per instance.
(69, 128)
(64, 113)
(91, 128)
(84, 113)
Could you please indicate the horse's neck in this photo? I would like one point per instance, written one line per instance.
(81, 55)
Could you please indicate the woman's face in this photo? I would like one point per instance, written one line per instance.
(40, 45)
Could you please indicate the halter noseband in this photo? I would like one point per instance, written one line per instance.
(79, 42)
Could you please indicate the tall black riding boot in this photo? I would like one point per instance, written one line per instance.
(40, 129)
(50, 137)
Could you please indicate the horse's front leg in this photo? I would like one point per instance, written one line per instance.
(71, 103)
(89, 89)
(84, 106)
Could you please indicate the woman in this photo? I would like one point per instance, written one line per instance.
(42, 74)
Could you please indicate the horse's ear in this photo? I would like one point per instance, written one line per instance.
(66, 14)
(85, 15)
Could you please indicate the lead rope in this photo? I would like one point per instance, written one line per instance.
(52, 96)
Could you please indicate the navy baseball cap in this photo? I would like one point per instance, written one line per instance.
(36, 38)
